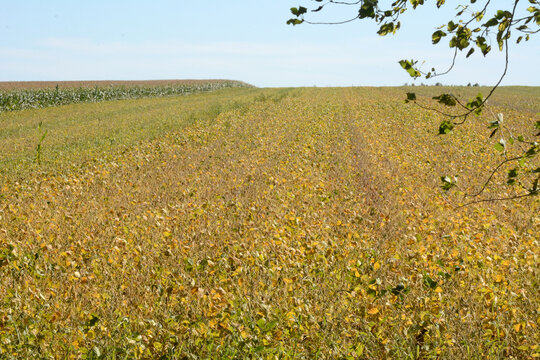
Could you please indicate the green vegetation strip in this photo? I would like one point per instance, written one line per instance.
(40, 98)
(58, 137)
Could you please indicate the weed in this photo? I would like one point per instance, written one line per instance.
(42, 135)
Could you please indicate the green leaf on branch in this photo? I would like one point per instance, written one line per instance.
(298, 11)
(446, 99)
(367, 9)
(491, 22)
(437, 35)
(409, 67)
(415, 3)
(388, 28)
(445, 127)
(494, 124)
(501, 145)
(512, 175)
(452, 26)
(447, 183)
(482, 45)
(410, 97)
(532, 151)
(476, 104)
(294, 21)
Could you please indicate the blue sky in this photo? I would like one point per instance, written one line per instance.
(242, 40)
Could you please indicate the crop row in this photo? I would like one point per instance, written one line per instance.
(39, 98)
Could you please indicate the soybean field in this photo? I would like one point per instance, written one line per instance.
(297, 223)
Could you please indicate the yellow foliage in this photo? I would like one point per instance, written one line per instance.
(273, 223)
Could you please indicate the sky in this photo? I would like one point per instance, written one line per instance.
(55, 40)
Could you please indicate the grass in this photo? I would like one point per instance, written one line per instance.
(260, 223)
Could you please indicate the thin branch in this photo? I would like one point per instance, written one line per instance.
(483, 11)
(459, 102)
(345, 3)
(497, 168)
(507, 56)
(499, 199)
(507, 129)
(434, 110)
(332, 23)
(450, 68)
(530, 31)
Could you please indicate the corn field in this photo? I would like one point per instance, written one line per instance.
(39, 98)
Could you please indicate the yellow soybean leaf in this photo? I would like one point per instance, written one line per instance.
(373, 311)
